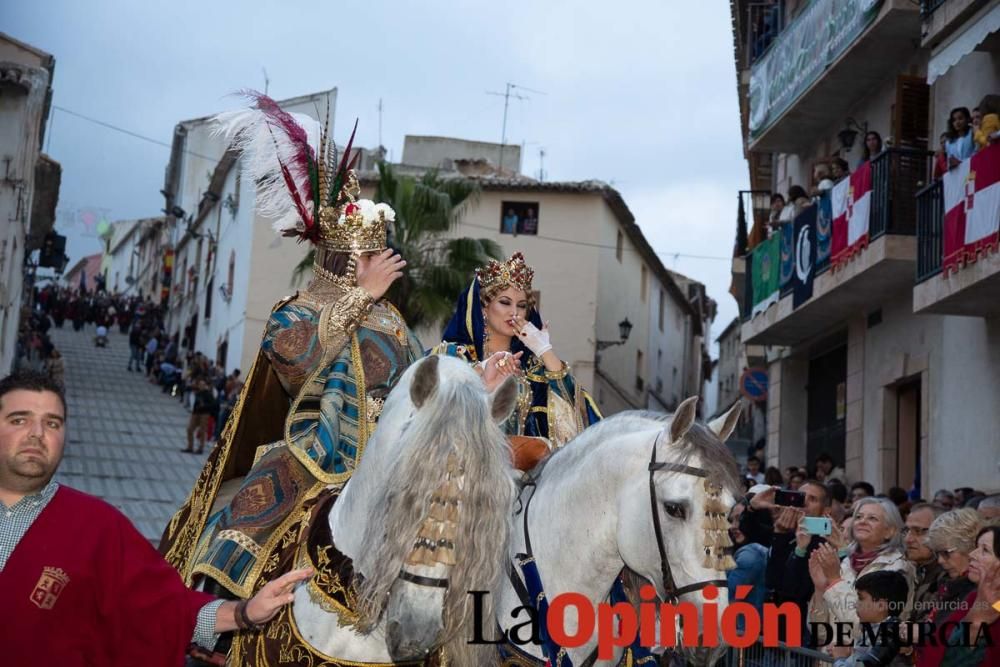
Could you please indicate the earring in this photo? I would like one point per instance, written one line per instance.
(486, 337)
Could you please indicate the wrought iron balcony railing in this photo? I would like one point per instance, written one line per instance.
(930, 223)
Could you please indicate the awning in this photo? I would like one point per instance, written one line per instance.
(963, 44)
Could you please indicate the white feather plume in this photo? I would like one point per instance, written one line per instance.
(261, 147)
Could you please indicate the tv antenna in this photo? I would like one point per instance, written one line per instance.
(506, 95)
(541, 163)
(380, 122)
(267, 81)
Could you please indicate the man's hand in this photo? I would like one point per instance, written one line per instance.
(802, 538)
(275, 595)
(764, 500)
(376, 273)
(788, 520)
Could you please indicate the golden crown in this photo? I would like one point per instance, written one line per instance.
(512, 273)
(356, 226)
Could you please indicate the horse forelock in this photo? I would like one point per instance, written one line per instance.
(454, 423)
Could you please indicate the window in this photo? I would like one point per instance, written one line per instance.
(232, 271)
(619, 244)
(208, 298)
(643, 280)
(519, 217)
(638, 370)
(662, 305)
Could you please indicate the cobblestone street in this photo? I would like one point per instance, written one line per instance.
(124, 435)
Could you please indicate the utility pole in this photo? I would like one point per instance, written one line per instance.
(267, 82)
(506, 95)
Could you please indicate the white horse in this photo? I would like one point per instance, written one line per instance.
(591, 516)
(424, 519)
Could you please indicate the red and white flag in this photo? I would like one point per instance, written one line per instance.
(971, 208)
(851, 201)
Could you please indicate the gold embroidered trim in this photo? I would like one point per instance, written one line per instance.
(241, 539)
(350, 311)
(559, 374)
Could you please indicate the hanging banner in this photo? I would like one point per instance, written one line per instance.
(821, 32)
(805, 256)
(824, 229)
(852, 203)
(787, 254)
(765, 277)
(168, 271)
(971, 209)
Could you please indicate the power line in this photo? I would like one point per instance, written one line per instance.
(130, 133)
(602, 246)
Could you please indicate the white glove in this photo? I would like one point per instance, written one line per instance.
(535, 339)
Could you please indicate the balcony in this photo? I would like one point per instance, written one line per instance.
(942, 18)
(971, 291)
(880, 272)
(804, 85)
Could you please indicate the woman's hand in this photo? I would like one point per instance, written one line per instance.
(535, 339)
(498, 367)
(828, 560)
(376, 273)
(816, 572)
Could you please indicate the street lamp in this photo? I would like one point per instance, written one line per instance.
(624, 329)
(850, 133)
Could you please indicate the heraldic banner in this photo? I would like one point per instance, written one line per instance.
(852, 203)
(765, 267)
(971, 208)
(805, 256)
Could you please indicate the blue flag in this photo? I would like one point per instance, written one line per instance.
(824, 230)
(787, 254)
(804, 236)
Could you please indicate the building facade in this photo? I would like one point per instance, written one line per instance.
(594, 273)
(29, 189)
(882, 360)
(228, 267)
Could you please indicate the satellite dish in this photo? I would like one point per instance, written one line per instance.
(129, 280)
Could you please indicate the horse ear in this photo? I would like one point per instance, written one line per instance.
(725, 425)
(683, 418)
(425, 381)
(503, 400)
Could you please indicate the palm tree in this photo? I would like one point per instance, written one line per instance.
(438, 267)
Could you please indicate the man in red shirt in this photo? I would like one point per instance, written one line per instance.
(78, 584)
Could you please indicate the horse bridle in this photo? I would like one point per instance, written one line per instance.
(670, 588)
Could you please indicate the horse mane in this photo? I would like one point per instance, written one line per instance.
(700, 441)
(455, 422)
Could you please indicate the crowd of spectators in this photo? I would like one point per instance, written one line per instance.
(187, 375)
(878, 558)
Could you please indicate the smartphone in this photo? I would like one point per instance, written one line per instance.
(789, 498)
(817, 525)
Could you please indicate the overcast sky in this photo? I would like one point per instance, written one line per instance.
(641, 94)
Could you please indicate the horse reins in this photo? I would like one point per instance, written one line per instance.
(670, 588)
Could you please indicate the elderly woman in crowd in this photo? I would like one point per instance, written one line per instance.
(955, 539)
(876, 544)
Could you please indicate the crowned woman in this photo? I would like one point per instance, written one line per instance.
(329, 356)
(497, 327)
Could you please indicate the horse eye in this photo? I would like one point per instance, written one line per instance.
(674, 510)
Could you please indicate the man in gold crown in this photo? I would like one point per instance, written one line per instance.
(497, 326)
(329, 356)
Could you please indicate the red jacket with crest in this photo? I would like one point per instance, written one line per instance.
(83, 587)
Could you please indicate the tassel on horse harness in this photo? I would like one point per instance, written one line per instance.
(716, 541)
